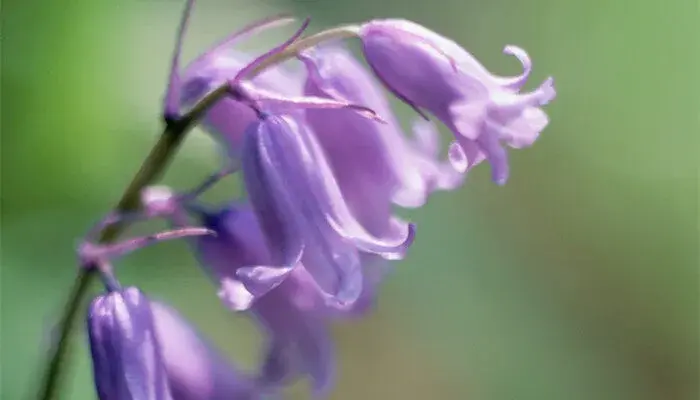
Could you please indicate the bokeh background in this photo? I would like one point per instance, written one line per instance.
(576, 281)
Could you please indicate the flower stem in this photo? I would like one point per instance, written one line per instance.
(152, 168)
(339, 32)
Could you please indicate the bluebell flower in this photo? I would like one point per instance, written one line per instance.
(294, 312)
(126, 356)
(296, 198)
(484, 111)
(143, 350)
(323, 161)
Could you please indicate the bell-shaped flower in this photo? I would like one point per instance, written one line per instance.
(293, 310)
(289, 306)
(484, 111)
(373, 163)
(299, 205)
(236, 256)
(126, 356)
(294, 314)
(144, 349)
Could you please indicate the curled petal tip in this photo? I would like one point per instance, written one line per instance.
(549, 93)
(521, 55)
(408, 242)
(517, 82)
(512, 50)
(258, 280)
(394, 248)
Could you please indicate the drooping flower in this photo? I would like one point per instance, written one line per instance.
(292, 312)
(146, 350)
(126, 357)
(373, 163)
(484, 111)
(297, 201)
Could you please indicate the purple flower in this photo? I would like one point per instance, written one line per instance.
(238, 246)
(291, 312)
(298, 339)
(126, 357)
(429, 71)
(373, 163)
(300, 207)
(146, 350)
(238, 249)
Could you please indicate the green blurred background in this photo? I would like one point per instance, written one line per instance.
(577, 280)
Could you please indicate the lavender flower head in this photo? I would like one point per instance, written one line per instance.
(126, 356)
(323, 160)
(427, 70)
(146, 350)
(292, 313)
(298, 203)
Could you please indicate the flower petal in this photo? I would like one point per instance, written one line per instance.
(126, 355)
(196, 370)
(484, 111)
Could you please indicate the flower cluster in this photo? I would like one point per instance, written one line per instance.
(323, 161)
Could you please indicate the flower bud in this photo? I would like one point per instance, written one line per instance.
(126, 356)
